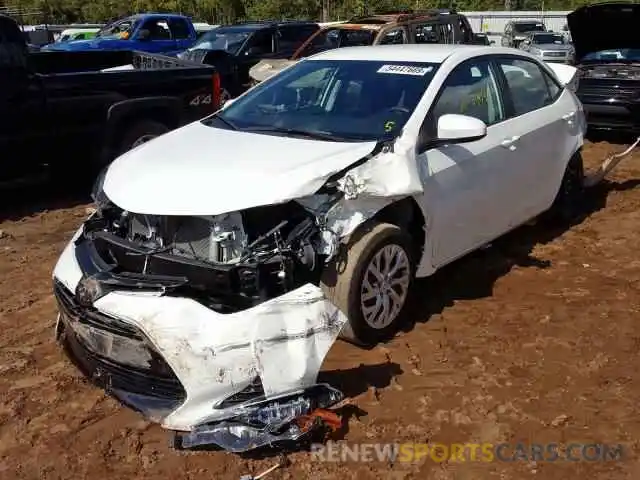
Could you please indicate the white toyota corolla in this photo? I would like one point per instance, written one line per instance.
(226, 257)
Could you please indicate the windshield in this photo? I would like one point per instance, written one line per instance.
(338, 37)
(549, 38)
(528, 27)
(621, 55)
(340, 100)
(222, 39)
(121, 28)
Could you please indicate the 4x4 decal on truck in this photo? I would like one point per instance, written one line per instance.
(201, 100)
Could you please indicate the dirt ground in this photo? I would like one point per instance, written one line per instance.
(532, 340)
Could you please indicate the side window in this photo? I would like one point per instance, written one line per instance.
(426, 33)
(394, 36)
(179, 29)
(529, 85)
(262, 42)
(294, 36)
(471, 89)
(158, 29)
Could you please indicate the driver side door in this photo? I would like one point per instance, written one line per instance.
(464, 184)
(160, 39)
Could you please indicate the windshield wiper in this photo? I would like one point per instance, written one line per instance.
(314, 134)
(228, 123)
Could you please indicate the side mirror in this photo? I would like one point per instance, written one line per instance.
(144, 35)
(492, 42)
(454, 128)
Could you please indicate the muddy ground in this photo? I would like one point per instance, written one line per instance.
(533, 340)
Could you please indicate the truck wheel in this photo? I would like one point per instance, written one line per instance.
(139, 133)
(568, 202)
(369, 280)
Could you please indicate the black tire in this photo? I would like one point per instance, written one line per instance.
(342, 280)
(570, 197)
(142, 129)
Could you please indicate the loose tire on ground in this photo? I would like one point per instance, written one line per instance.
(140, 132)
(343, 279)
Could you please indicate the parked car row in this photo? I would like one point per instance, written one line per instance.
(423, 27)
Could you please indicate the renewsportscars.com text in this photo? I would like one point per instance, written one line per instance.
(467, 452)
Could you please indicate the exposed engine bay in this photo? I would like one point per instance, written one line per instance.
(228, 262)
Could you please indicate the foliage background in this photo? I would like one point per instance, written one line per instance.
(226, 11)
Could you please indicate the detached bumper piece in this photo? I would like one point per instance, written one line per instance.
(274, 422)
(115, 356)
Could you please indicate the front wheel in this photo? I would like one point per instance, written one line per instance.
(370, 282)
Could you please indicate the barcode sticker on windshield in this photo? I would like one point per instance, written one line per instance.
(405, 70)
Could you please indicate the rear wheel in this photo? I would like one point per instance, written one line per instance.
(569, 200)
(370, 281)
(139, 133)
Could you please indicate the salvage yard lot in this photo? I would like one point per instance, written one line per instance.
(532, 340)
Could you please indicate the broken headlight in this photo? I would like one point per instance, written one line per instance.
(265, 422)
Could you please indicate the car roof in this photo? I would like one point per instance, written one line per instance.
(377, 22)
(267, 24)
(152, 15)
(426, 53)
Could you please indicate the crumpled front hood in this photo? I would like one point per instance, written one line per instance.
(605, 26)
(202, 170)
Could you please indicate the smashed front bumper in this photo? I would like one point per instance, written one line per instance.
(193, 369)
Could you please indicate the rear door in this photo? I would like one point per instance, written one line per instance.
(545, 131)
(464, 184)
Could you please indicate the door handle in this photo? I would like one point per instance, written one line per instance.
(569, 117)
(509, 142)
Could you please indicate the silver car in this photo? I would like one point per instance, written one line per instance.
(549, 46)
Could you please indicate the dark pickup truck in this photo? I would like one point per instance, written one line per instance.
(73, 112)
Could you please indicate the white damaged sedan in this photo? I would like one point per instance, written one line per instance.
(226, 257)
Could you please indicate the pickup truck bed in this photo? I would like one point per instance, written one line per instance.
(73, 112)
